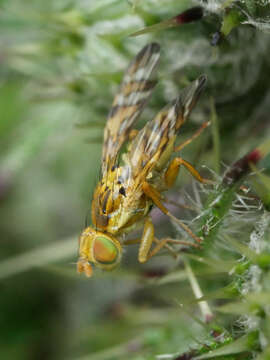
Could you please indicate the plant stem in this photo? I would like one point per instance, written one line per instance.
(204, 307)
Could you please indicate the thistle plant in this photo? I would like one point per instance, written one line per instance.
(224, 222)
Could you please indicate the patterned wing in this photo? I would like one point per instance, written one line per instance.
(154, 143)
(135, 90)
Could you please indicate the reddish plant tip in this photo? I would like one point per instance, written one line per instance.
(254, 156)
(192, 14)
(241, 167)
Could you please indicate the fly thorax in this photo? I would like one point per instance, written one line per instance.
(107, 204)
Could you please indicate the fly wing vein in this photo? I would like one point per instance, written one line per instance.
(158, 135)
(135, 90)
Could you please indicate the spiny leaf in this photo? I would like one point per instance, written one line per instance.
(237, 346)
(170, 278)
(242, 249)
(192, 14)
(218, 265)
(238, 308)
(221, 199)
(231, 20)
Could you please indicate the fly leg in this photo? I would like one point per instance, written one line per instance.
(164, 243)
(146, 241)
(156, 197)
(173, 170)
(193, 137)
(148, 238)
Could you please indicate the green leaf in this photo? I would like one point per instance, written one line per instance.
(231, 20)
(242, 344)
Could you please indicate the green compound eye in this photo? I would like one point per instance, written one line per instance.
(105, 251)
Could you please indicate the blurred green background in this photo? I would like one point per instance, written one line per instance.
(61, 63)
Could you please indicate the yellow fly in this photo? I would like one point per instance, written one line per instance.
(127, 192)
